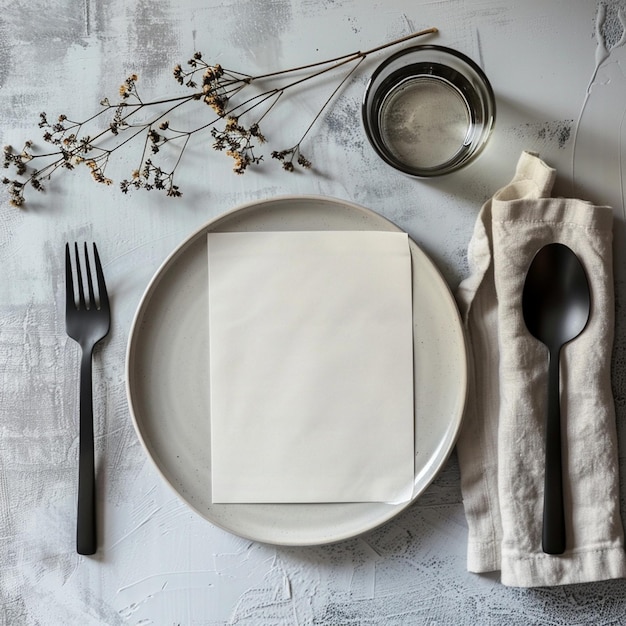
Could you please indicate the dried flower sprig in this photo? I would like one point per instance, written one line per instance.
(234, 126)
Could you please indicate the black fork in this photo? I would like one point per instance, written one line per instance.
(87, 321)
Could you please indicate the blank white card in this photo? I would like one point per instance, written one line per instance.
(311, 367)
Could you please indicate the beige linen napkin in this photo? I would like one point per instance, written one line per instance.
(311, 367)
(501, 446)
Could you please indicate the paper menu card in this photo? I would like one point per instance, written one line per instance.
(310, 367)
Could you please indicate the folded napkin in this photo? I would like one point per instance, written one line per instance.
(311, 367)
(501, 446)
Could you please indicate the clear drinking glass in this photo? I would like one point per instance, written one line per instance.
(428, 110)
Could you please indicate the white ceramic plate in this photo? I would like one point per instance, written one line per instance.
(167, 376)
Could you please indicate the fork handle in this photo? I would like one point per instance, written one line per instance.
(86, 540)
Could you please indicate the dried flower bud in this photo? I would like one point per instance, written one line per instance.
(304, 162)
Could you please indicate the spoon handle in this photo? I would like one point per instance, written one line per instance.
(553, 514)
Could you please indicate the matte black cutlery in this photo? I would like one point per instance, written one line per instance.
(87, 321)
(556, 303)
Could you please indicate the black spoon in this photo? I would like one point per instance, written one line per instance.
(556, 302)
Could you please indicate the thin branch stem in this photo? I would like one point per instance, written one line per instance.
(180, 154)
(332, 95)
(271, 106)
(356, 54)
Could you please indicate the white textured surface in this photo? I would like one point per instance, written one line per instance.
(560, 86)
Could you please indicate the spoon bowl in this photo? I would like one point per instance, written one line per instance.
(556, 298)
(556, 302)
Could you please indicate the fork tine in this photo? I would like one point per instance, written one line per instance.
(70, 301)
(79, 274)
(102, 288)
(92, 297)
